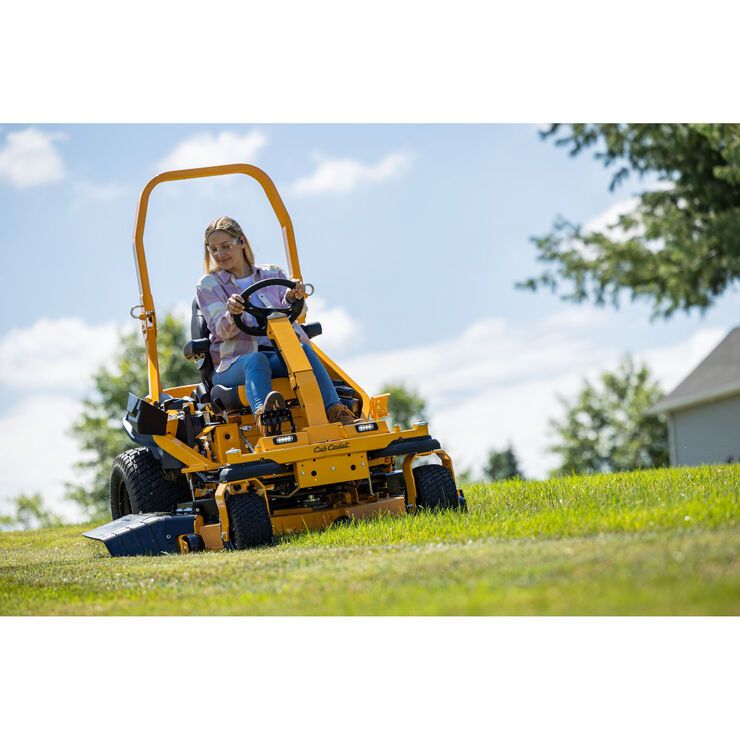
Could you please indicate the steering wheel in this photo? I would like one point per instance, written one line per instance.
(261, 313)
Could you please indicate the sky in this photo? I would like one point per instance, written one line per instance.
(414, 237)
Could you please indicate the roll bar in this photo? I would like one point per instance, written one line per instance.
(147, 315)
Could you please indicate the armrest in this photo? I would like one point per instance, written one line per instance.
(312, 330)
(196, 347)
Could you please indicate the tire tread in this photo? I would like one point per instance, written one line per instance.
(148, 490)
(249, 520)
(435, 488)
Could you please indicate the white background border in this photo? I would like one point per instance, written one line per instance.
(381, 62)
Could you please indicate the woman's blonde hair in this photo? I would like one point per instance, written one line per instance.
(230, 226)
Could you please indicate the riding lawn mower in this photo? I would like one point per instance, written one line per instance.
(206, 476)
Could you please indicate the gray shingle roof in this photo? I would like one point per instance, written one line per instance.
(717, 376)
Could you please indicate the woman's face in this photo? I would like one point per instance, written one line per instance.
(226, 250)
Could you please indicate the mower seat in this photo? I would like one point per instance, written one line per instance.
(226, 398)
(234, 398)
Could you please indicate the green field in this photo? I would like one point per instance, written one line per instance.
(654, 542)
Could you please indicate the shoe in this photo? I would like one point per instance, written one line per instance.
(273, 402)
(339, 412)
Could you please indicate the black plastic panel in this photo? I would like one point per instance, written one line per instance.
(251, 470)
(406, 447)
(145, 418)
(143, 534)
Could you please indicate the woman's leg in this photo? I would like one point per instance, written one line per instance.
(254, 372)
(257, 369)
(328, 391)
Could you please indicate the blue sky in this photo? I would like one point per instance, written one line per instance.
(413, 235)
(465, 202)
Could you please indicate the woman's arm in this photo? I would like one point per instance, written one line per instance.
(219, 319)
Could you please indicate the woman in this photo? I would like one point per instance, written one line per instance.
(230, 270)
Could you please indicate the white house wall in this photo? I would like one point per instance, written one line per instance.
(709, 433)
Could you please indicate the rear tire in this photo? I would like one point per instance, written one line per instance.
(138, 485)
(435, 488)
(249, 521)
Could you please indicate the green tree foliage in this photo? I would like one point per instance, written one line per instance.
(678, 247)
(405, 405)
(608, 428)
(502, 465)
(30, 513)
(99, 429)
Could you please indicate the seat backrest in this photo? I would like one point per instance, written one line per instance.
(198, 326)
(199, 330)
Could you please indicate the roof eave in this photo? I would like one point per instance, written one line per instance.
(667, 405)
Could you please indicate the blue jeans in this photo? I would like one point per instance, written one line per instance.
(256, 370)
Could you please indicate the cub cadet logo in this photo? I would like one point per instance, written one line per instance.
(333, 446)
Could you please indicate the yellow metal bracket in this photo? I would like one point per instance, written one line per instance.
(223, 515)
(408, 478)
(300, 372)
(180, 451)
(378, 406)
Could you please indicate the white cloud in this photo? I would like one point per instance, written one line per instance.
(55, 355)
(606, 221)
(28, 158)
(345, 175)
(37, 453)
(45, 370)
(183, 311)
(580, 317)
(97, 192)
(671, 364)
(340, 333)
(204, 150)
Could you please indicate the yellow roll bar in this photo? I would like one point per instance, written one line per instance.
(147, 315)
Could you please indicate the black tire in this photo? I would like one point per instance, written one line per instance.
(138, 485)
(249, 521)
(435, 488)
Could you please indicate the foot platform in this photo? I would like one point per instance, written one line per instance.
(272, 421)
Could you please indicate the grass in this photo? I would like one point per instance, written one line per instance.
(651, 542)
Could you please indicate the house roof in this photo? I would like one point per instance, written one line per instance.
(717, 376)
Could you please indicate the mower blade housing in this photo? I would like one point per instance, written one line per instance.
(143, 534)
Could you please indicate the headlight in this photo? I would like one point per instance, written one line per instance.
(369, 426)
(284, 439)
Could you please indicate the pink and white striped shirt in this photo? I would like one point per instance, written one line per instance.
(228, 341)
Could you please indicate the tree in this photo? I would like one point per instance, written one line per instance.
(405, 405)
(608, 428)
(30, 513)
(99, 429)
(502, 465)
(678, 246)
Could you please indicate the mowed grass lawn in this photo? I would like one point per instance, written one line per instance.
(653, 542)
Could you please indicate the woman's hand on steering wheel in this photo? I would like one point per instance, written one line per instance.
(235, 304)
(263, 313)
(297, 293)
